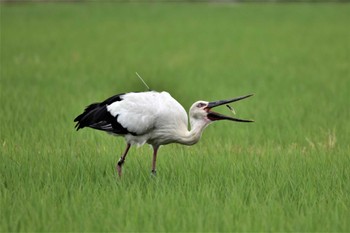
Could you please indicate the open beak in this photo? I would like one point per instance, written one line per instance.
(214, 116)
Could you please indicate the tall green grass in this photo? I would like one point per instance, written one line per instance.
(289, 171)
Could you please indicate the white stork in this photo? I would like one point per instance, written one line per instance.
(151, 117)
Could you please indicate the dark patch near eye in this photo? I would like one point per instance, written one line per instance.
(200, 105)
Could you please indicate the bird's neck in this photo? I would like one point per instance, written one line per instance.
(194, 134)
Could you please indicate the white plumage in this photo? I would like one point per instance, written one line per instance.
(148, 114)
(151, 117)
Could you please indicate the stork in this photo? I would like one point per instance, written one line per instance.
(151, 117)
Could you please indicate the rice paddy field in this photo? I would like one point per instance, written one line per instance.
(288, 171)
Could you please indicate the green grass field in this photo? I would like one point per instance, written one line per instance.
(288, 171)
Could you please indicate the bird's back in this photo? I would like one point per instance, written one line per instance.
(142, 114)
(145, 111)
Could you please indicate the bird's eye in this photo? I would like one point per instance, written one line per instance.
(200, 105)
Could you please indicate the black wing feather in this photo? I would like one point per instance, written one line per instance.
(96, 116)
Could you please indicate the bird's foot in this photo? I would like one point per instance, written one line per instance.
(119, 170)
(119, 166)
(154, 173)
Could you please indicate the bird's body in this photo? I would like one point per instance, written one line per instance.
(150, 117)
(153, 117)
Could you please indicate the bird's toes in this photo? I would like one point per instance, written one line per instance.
(154, 173)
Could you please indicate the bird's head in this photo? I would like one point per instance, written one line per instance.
(202, 111)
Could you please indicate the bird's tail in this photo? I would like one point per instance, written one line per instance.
(88, 116)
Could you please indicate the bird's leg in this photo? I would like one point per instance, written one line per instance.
(155, 150)
(121, 160)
